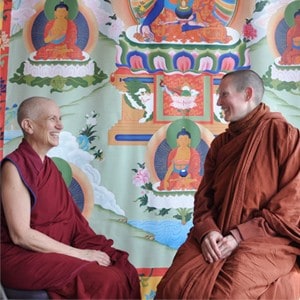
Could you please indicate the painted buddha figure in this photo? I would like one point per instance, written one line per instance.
(188, 21)
(291, 55)
(60, 37)
(183, 165)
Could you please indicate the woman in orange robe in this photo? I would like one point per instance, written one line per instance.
(246, 237)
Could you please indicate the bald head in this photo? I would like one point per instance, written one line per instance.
(242, 79)
(31, 108)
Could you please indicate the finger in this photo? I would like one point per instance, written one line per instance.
(214, 252)
(103, 262)
(208, 258)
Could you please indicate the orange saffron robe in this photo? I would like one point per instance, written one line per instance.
(251, 183)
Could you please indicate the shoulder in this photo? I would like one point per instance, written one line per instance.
(220, 140)
(9, 171)
(285, 138)
(283, 130)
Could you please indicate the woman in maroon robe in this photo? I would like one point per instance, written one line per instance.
(46, 243)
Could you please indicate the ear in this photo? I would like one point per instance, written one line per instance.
(27, 126)
(249, 93)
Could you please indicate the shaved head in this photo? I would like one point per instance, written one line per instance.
(244, 78)
(31, 108)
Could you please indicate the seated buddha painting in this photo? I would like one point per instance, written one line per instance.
(60, 35)
(182, 20)
(291, 55)
(59, 38)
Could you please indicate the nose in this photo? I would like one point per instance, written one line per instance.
(59, 125)
(219, 101)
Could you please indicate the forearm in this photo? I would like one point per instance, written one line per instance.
(40, 242)
(203, 227)
(256, 227)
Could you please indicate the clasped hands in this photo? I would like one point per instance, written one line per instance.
(215, 246)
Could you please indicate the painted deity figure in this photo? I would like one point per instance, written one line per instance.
(190, 20)
(291, 55)
(60, 36)
(183, 165)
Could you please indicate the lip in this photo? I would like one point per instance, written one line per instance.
(225, 110)
(55, 134)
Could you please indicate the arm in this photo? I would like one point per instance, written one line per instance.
(214, 245)
(203, 205)
(170, 165)
(280, 216)
(16, 207)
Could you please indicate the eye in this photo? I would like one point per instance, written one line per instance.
(54, 118)
(224, 94)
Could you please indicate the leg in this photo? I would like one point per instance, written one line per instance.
(247, 274)
(97, 282)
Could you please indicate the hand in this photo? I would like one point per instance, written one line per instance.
(215, 247)
(227, 245)
(95, 255)
(210, 246)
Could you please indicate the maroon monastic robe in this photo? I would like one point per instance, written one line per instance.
(54, 213)
(251, 183)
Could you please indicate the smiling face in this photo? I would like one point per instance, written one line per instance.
(48, 125)
(235, 104)
(42, 126)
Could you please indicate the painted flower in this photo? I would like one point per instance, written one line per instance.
(186, 100)
(160, 63)
(136, 62)
(88, 135)
(91, 119)
(83, 142)
(249, 31)
(184, 63)
(228, 64)
(206, 63)
(141, 177)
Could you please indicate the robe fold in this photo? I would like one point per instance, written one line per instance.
(251, 184)
(54, 213)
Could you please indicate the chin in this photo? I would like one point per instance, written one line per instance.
(54, 144)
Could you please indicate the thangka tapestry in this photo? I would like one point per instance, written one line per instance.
(132, 78)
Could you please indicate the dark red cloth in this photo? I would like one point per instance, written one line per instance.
(55, 213)
(251, 183)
